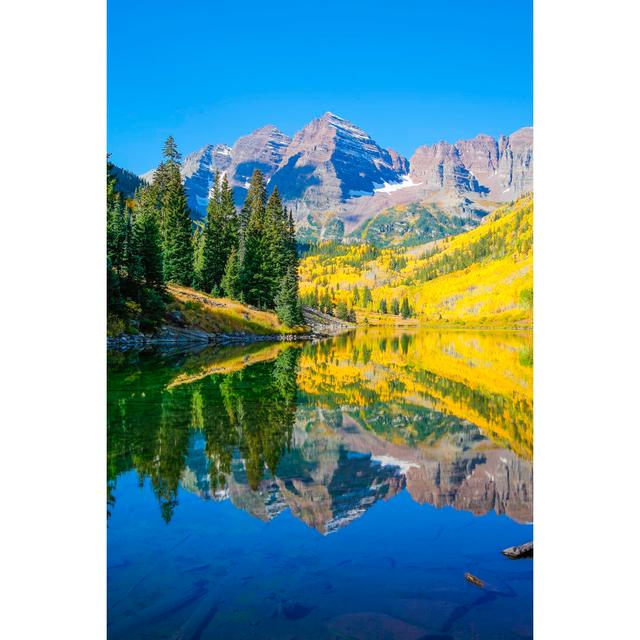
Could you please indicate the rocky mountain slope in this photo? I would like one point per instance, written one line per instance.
(338, 180)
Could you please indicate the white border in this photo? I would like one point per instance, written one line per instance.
(52, 453)
(586, 318)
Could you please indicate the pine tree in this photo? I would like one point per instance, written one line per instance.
(176, 218)
(383, 306)
(149, 248)
(341, 310)
(405, 310)
(278, 256)
(214, 255)
(170, 151)
(254, 202)
(287, 302)
(395, 307)
(231, 280)
(255, 278)
(356, 296)
(366, 297)
(229, 216)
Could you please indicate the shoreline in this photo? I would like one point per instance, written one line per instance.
(171, 337)
(179, 337)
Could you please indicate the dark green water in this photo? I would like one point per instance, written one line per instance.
(335, 490)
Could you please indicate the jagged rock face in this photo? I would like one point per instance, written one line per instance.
(499, 170)
(335, 178)
(263, 149)
(198, 171)
(331, 160)
(516, 162)
(439, 167)
(478, 483)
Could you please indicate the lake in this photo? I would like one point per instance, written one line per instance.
(338, 489)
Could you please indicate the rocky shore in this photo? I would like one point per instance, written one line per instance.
(320, 325)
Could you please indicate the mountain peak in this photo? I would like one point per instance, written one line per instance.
(329, 115)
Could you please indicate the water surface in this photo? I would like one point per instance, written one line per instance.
(331, 490)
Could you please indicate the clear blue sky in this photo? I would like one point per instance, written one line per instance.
(408, 72)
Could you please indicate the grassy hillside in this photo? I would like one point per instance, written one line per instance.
(222, 315)
(481, 277)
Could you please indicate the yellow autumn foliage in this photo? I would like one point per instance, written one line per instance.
(483, 277)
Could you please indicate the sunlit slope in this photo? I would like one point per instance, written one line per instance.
(483, 277)
(483, 378)
(222, 315)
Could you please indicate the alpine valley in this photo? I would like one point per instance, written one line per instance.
(341, 185)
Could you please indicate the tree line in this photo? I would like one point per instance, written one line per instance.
(250, 255)
(360, 298)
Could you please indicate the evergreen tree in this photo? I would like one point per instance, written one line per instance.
(255, 278)
(341, 310)
(287, 302)
(405, 310)
(198, 255)
(383, 306)
(229, 217)
(395, 307)
(149, 249)
(278, 256)
(366, 297)
(214, 254)
(177, 245)
(231, 280)
(356, 296)
(254, 202)
(170, 151)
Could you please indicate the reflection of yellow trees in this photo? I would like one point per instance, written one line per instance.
(476, 376)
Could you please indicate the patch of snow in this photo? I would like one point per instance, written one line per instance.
(387, 187)
(390, 461)
(507, 189)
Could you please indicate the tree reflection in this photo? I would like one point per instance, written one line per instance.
(150, 425)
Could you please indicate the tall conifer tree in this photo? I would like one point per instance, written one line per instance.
(255, 279)
(176, 219)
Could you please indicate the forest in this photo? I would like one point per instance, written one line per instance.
(248, 255)
(251, 255)
(481, 277)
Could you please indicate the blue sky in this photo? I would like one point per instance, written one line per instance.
(408, 73)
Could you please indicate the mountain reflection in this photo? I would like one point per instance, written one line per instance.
(327, 429)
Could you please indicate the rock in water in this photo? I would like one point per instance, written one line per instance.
(473, 580)
(519, 551)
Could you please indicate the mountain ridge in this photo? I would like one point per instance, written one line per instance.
(336, 179)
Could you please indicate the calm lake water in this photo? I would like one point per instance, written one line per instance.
(332, 490)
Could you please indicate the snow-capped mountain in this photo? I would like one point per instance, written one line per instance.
(330, 161)
(337, 179)
(198, 171)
